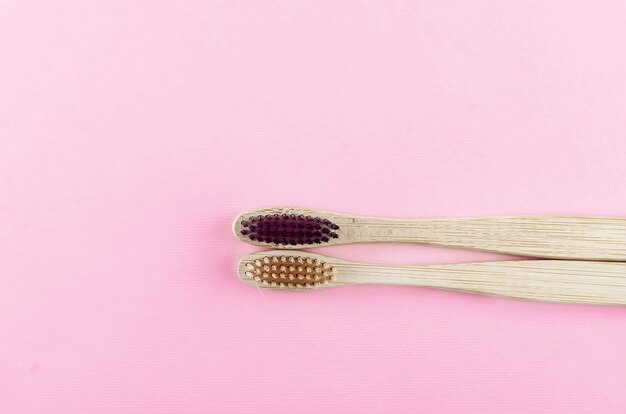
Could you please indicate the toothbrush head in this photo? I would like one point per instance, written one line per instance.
(287, 228)
(286, 270)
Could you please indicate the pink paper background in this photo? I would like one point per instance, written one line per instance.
(132, 133)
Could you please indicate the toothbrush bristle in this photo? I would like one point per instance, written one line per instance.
(289, 229)
(289, 272)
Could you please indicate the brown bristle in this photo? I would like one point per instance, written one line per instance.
(308, 274)
(289, 229)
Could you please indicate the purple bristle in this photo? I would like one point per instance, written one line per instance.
(289, 229)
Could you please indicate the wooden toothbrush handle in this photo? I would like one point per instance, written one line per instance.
(600, 283)
(582, 238)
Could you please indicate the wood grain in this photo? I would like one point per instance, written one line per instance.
(554, 237)
(583, 282)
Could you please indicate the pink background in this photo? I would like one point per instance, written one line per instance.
(133, 132)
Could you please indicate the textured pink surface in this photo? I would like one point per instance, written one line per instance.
(132, 132)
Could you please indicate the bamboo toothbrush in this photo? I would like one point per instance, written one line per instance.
(600, 283)
(555, 237)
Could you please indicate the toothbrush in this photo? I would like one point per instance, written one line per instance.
(554, 237)
(600, 283)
